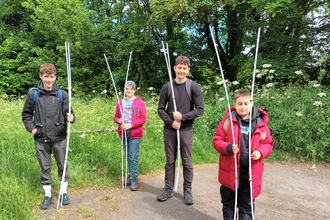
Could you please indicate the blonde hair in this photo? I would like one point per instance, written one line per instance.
(243, 92)
(47, 68)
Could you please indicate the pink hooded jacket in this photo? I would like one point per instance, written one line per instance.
(264, 145)
(139, 117)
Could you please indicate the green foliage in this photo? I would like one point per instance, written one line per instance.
(298, 121)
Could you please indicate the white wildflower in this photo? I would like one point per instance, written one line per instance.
(316, 85)
(222, 99)
(259, 75)
(268, 85)
(321, 94)
(299, 114)
(151, 88)
(235, 82)
(266, 65)
(270, 77)
(298, 72)
(271, 71)
(221, 82)
(318, 103)
(104, 92)
(93, 91)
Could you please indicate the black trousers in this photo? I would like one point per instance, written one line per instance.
(243, 201)
(170, 141)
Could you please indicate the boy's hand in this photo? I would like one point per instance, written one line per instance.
(256, 155)
(126, 126)
(176, 125)
(177, 116)
(235, 148)
(121, 120)
(69, 117)
(34, 131)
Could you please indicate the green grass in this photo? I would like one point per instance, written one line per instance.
(95, 156)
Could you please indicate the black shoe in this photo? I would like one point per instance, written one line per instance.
(188, 198)
(65, 199)
(167, 193)
(134, 185)
(46, 203)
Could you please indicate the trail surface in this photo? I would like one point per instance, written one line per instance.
(292, 191)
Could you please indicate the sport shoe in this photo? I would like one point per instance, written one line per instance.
(188, 198)
(65, 199)
(46, 203)
(167, 193)
(134, 185)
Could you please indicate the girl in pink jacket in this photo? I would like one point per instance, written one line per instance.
(261, 147)
(130, 116)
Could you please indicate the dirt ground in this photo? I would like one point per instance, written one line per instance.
(290, 191)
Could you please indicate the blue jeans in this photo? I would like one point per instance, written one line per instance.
(133, 147)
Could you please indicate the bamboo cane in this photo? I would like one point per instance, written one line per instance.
(121, 112)
(68, 65)
(231, 121)
(168, 64)
(250, 125)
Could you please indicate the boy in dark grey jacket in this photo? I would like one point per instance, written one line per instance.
(45, 116)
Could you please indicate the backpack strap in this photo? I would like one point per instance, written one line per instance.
(60, 96)
(35, 99)
(188, 88)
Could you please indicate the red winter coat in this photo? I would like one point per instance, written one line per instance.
(139, 117)
(222, 139)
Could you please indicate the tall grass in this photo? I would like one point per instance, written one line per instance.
(299, 126)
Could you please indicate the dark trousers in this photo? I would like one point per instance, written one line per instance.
(44, 151)
(243, 201)
(170, 141)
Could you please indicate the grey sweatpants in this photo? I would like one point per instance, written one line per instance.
(44, 151)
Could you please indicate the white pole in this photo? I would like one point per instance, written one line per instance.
(68, 65)
(129, 61)
(121, 112)
(250, 125)
(231, 121)
(168, 64)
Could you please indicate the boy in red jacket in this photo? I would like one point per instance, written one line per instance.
(261, 147)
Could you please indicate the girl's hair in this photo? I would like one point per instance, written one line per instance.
(47, 68)
(182, 60)
(243, 92)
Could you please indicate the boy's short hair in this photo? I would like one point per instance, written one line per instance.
(184, 60)
(47, 68)
(243, 92)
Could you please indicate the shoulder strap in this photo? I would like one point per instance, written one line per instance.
(35, 100)
(188, 88)
(60, 96)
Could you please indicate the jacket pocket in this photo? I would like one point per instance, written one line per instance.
(39, 127)
(60, 129)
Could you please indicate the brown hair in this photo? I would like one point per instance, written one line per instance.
(182, 60)
(243, 92)
(47, 68)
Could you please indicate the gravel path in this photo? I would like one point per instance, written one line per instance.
(292, 191)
